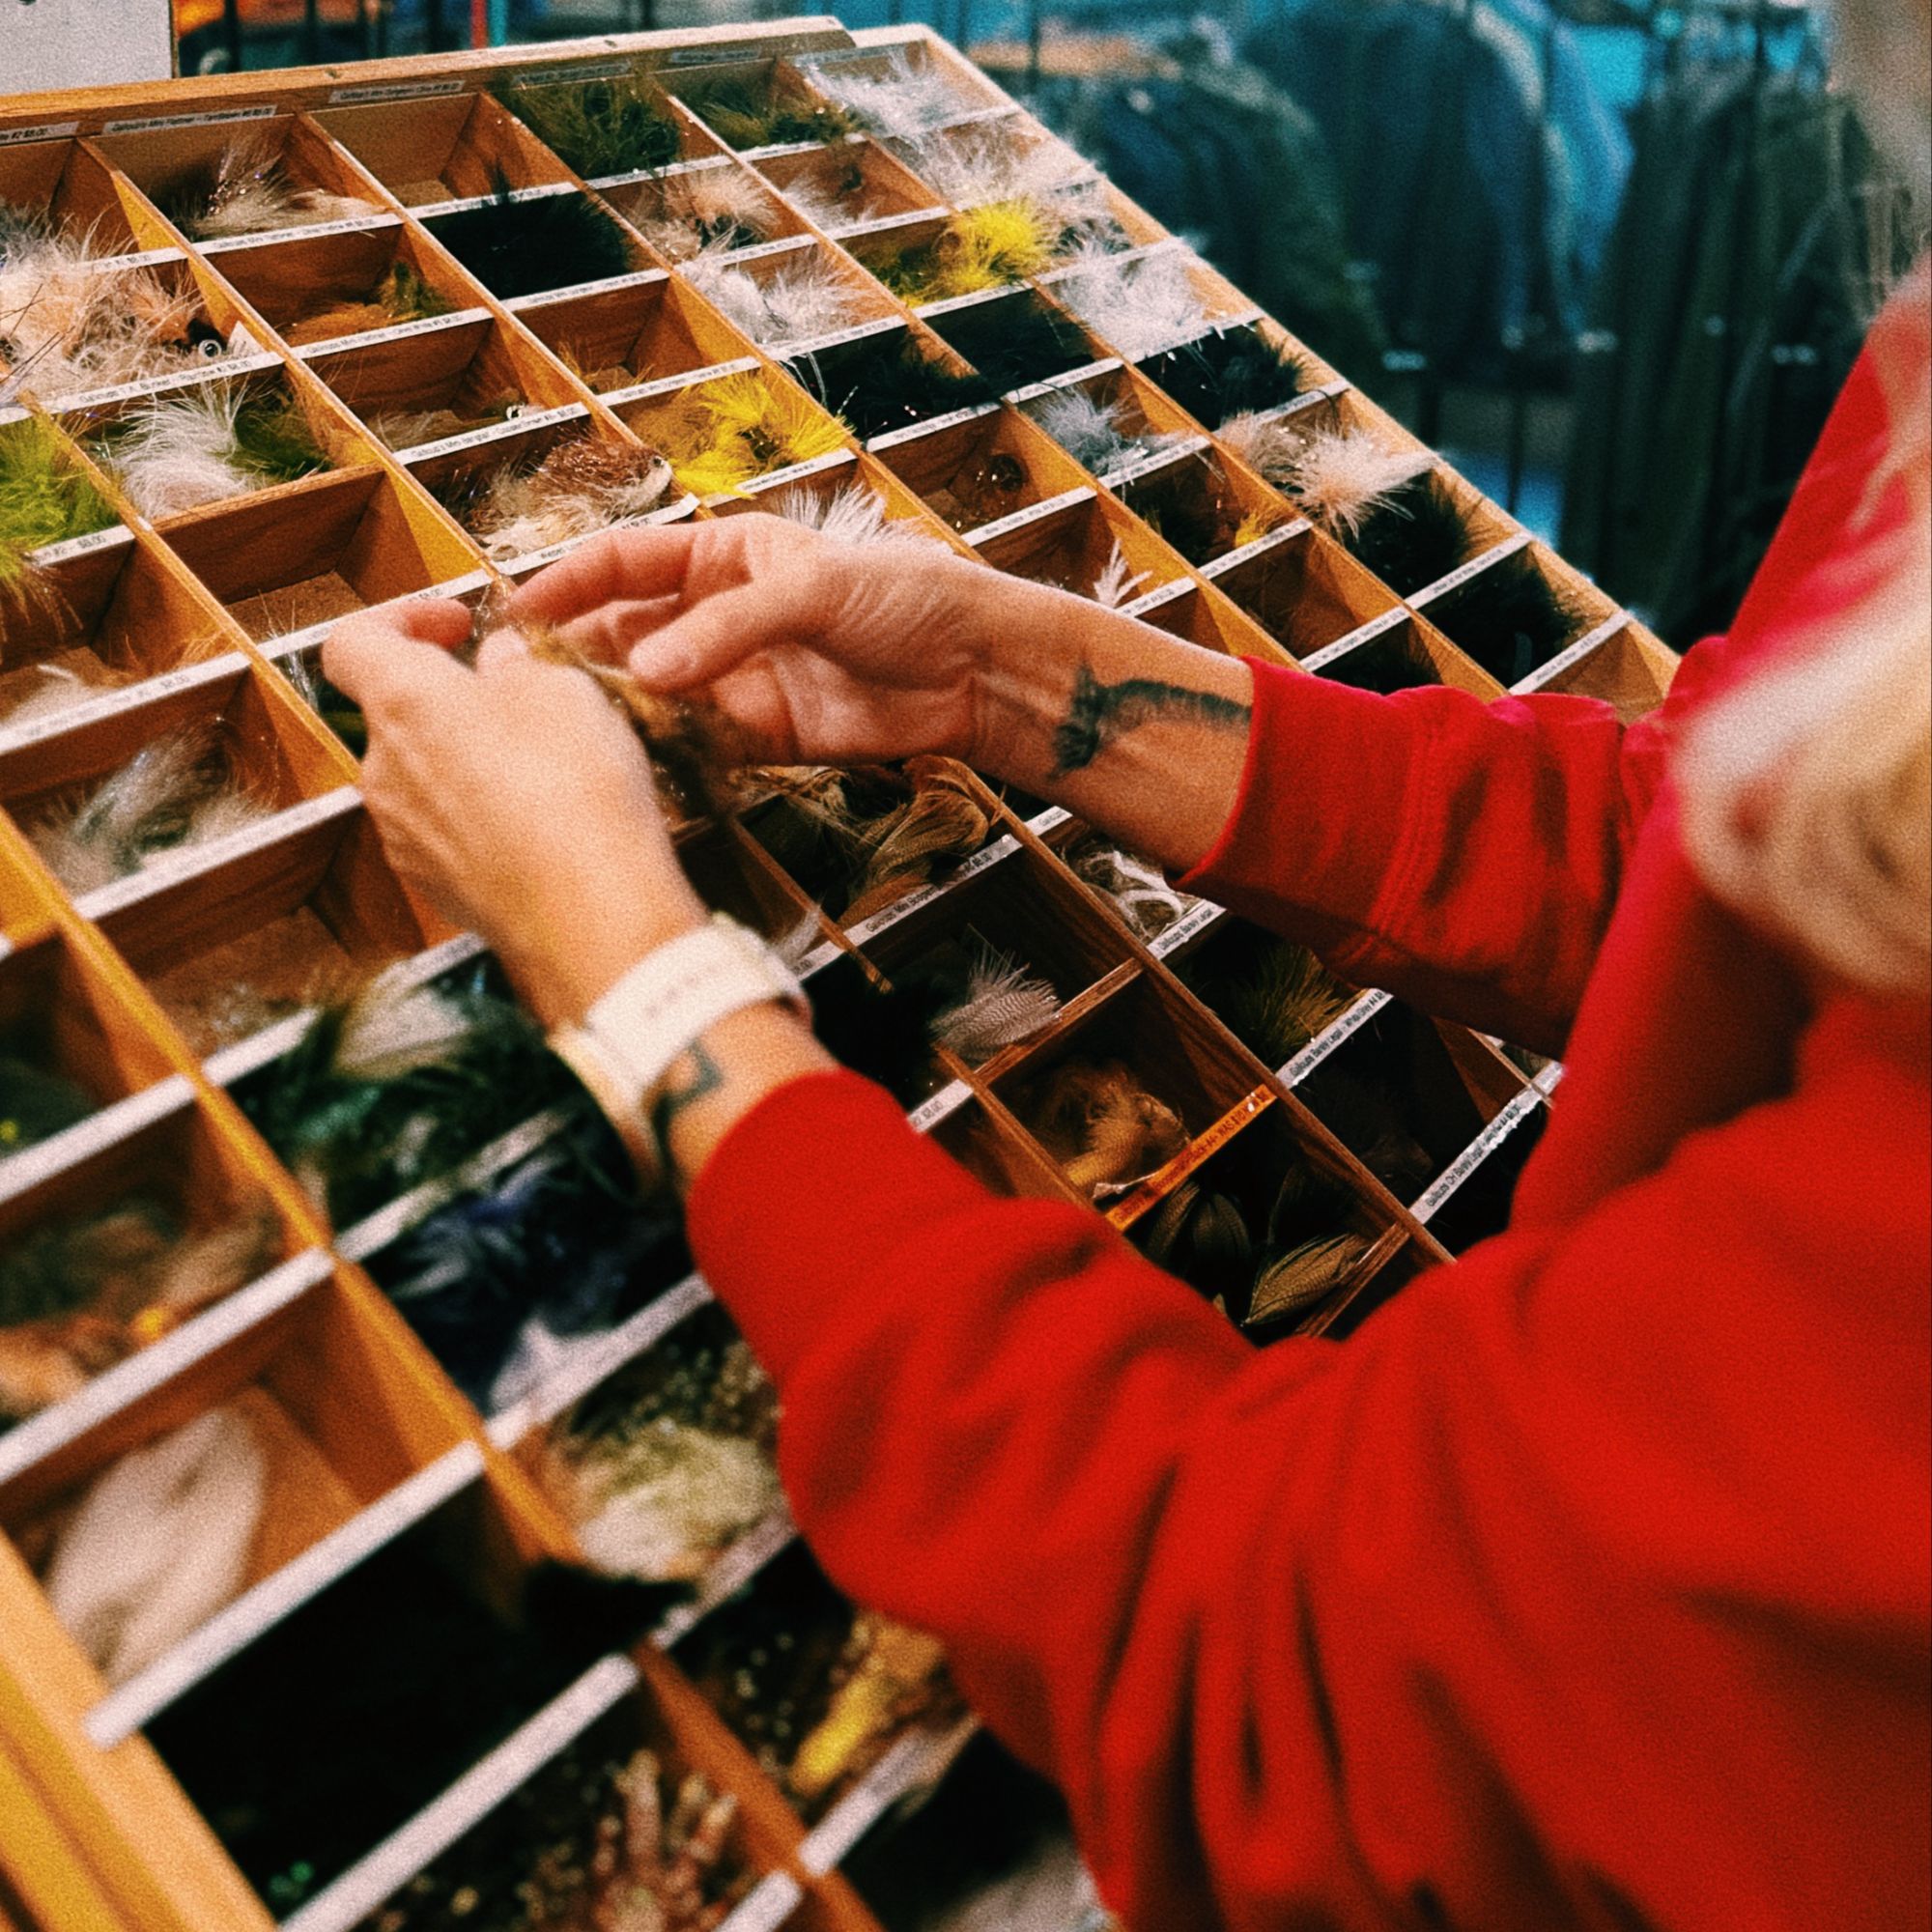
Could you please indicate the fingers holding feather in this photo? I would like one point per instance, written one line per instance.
(396, 652)
(614, 568)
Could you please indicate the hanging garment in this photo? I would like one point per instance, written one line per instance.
(1217, 153)
(1478, 210)
(1742, 274)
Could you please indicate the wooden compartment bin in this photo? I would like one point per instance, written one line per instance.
(789, 297)
(978, 467)
(1304, 590)
(856, 188)
(65, 183)
(111, 610)
(359, 540)
(443, 148)
(702, 206)
(177, 169)
(618, 340)
(1396, 652)
(1082, 543)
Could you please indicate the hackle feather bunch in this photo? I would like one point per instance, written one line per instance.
(79, 1295)
(906, 99)
(1274, 996)
(160, 1541)
(176, 453)
(246, 189)
(71, 322)
(1139, 305)
(45, 497)
(748, 113)
(518, 248)
(1391, 508)
(855, 513)
(875, 388)
(608, 127)
(720, 436)
(1094, 432)
(1228, 372)
(794, 305)
(176, 792)
(714, 211)
(581, 486)
(402, 295)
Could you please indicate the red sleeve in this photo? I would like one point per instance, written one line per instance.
(1467, 855)
(1586, 1585)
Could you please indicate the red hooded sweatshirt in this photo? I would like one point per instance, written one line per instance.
(1587, 1584)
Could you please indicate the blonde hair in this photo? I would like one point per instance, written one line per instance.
(1807, 792)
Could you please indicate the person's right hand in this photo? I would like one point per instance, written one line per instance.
(817, 649)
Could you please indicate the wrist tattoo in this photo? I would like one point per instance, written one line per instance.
(1096, 714)
(682, 1089)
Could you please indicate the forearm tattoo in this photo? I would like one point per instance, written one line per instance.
(683, 1088)
(1098, 713)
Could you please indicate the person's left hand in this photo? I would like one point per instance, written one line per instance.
(514, 799)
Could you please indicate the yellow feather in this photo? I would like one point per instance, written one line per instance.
(721, 435)
(983, 248)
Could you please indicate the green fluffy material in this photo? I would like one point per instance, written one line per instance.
(45, 497)
(601, 128)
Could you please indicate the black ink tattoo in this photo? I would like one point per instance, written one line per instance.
(706, 1077)
(1098, 713)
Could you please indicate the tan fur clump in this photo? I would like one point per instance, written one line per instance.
(1101, 1126)
(695, 751)
(942, 820)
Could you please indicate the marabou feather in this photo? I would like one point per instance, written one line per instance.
(159, 1542)
(720, 209)
(1139, 306)
(718, 437)
(401, 296)
(1510, 617)
(247, 191)
(1228, 372)
(45, 497)
(523, 247)
(745, 113)
(875, 390)
(1015, 342)
(1091, 431)
(795, 304)
(581, 486)
(177, 453)
(855, 513)
(906, 99)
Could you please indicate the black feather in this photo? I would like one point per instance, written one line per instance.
(1180, 506)
(523, 247)
(1015, 342)
(1414, 535)
(875, 390)
(1225, 374)
(1200, 1238)
(1363, 1114)
(1392, 661)
(1509, 618)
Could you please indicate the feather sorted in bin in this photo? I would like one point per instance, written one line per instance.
(883, 1033)
(1391, 508)
(840, 198)
(176, 453)
(71, 322)
(1017, 342)
(696, 216)
(1228, 372)
(798, 303)
(1510, 617)
(245, 190)
(44, 689)
(1119, 582)
(1310, 1248)
(1001, 1004)
(401, 296)
(1393, 661)
(1200, 1238)
(983, 248)
(1362, 1113)
(895, 1673)
(1148, 903)
(745, 113)
(1091, 432)
(79, 1295)
(179, 791)
(523, 247)
(406, 429)
(36, 1104)
(941, 823)
(720, 436)
(876, 392)
(1139, 305)
(904, 100)
(509, 1275)
(582, 486)
(45, 497)
(1100, 1126)
(1272, 995)
(160, 1541)
(616, 125)
(602, 1836)
(394, 1086)
(991, 163)
(660, 1482)
(1184, 506)
(855, 513)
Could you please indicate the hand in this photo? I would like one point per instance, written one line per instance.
(514, 799)
(817, 649)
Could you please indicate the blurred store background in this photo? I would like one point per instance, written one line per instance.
(1613, 256)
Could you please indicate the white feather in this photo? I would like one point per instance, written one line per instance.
(794, 305)
(1050, 1891)
(906, 99)
(828, 209)
(1339, 477)
(1140, 305)
(1145, 900)
(1117, 581)
(702, 1491)
(854, 514)
(178, 453)
(392, 1027)
(1003, 1005)
(159, 1543)
(989, 163)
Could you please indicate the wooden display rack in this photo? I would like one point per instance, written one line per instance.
(205, 609)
